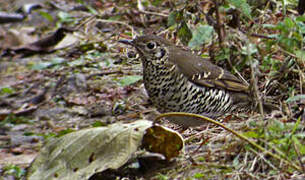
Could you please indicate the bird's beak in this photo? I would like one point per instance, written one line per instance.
(126, 41)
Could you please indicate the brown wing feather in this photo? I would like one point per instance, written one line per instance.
(202, 72)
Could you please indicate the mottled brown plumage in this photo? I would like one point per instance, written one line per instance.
(178, 80)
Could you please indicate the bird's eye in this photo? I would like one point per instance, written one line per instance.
(151, 45)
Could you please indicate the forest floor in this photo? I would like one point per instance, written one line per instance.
(81, 77)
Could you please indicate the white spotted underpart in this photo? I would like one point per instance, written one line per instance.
(170, 90)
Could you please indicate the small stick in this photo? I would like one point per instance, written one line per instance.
(254, 82)
(117, 22)
(220, 29)
(153, 13)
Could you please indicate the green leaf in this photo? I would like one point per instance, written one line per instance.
(251, 134)
(6, 90)
(269, 26)
(300, 54)
(252, 49)
(289, 23)
(57, 60)
(201, 35)
(198, 175)
(13, 170)
(300, 18)
(128, 80)
(171, 20)
(296, 125)
(98, 124)
(44, 65)
(46, 15)
(92, 10)
(295, 98)
(299, 145)
(64, 17)
(157, 2)
(115, 18)
(174, 18)
(301, 27)
(41, 65)
(64, 132)
(184, 33)
(12, 119)
(243, 6)
(77, 62)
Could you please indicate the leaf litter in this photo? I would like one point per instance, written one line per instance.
(92, 84)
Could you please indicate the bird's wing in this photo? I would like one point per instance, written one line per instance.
(203, 73)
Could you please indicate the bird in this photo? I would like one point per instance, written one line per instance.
(176, 80)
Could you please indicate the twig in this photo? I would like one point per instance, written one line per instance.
(240, 76)
(288, 53)
(299, 62)
(257, 35)
(153, 13)
(58, 83)
(282, 71)
(163, 32)
(117, 22)
(85, 22)
(301, 79)
(254, 81)
(220, 29)
(264, 159)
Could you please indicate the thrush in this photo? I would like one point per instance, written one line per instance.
(177, 80)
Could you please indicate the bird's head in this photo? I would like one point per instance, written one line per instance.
(151, 48)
